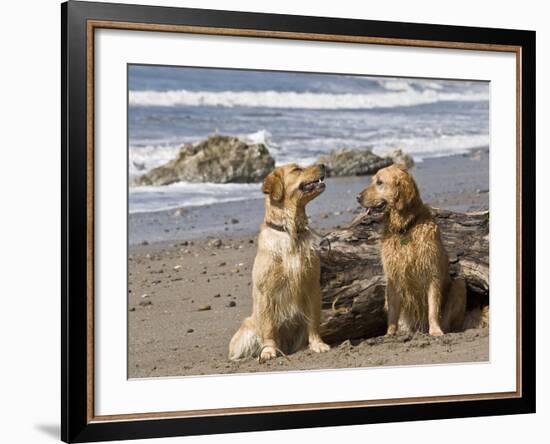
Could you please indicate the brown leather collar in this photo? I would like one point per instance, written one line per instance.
(407, 226)
(275, 226)
(282, 228)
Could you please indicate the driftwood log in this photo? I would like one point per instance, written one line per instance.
(352, 280)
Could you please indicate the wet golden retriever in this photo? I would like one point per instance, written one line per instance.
(286, 293)
(420, 294)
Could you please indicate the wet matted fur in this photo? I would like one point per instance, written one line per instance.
(420, 294)
(286, 295)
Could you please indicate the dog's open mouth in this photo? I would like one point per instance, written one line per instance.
(376, 210)
(309, 187)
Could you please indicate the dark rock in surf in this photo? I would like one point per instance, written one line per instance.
(219, 159)
(353, 162)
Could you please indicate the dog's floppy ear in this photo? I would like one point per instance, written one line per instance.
(273, 185)
(406, 191)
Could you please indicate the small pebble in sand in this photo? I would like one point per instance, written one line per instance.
(132, 309)
(177, 267)
(234, 221)
(144, 295)
(231, 304)
(222, 264)
(216, 243)
(346, 344)
(204, 308)
(251, 241)
(144, 243)
(145, 303)
(217, 295)
(190, 330)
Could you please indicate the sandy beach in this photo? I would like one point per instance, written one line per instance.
(190, 276)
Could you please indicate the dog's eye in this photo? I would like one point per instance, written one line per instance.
(379, 182)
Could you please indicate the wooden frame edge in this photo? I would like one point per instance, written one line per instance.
(337, 38)
(284, 408)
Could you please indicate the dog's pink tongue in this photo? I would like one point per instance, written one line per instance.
(367, 211)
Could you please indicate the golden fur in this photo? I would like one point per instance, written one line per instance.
(420, 295)
(286, 274)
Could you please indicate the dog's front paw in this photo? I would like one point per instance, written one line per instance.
(267, 353)
(392, 330)
(319, 347)
(436, 331)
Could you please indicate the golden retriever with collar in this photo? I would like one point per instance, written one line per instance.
(286, 291)
(420, 294)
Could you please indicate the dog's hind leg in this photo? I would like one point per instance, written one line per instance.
(246, 342)
(455, 306)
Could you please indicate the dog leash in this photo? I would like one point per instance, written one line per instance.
(323, 239)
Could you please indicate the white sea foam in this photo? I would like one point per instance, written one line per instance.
(184, 194)
(422, 148)
(302, 100)
(411, 84)
(419, 147)
(261, 136)
(144, 158)
(396, 85)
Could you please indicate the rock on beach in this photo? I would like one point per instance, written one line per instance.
(218, 159)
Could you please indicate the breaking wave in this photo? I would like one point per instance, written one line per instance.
(301, 100)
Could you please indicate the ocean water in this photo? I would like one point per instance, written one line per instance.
(299, 116)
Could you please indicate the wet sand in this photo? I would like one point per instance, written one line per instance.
(186, 301)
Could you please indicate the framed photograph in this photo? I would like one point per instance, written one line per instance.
(275, 221)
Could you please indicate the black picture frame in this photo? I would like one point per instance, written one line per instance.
(76, 423)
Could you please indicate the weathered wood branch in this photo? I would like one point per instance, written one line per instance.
(352, 280)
